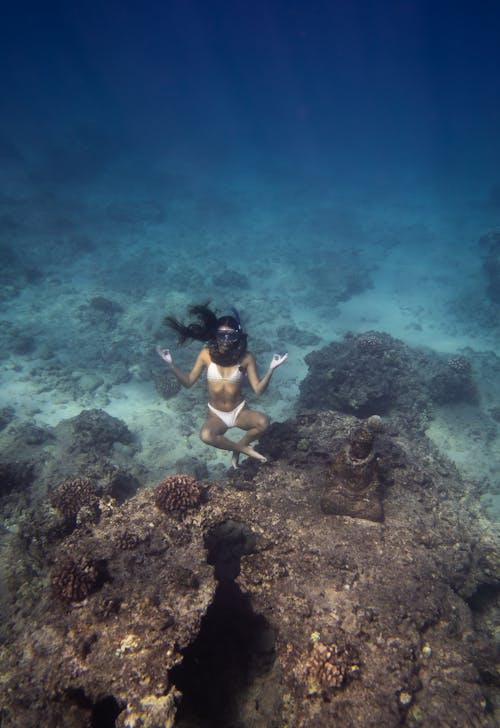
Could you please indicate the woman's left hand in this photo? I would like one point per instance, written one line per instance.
(277, 360)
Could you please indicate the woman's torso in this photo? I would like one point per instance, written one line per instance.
(224, 384)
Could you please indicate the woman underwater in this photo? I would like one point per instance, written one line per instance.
(227, 362)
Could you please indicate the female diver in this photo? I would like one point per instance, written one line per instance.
(227, 362)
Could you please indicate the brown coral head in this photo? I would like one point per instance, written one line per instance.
(328, 667)
(166, 385)
(178, 493)
(128, 540)
(73, 494)
(360, 443)
(324, 671)
(73, 579)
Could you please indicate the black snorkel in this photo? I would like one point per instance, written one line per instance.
(236, 316)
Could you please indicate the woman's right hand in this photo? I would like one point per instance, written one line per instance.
(165, 355)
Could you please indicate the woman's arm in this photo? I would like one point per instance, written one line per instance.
(260, 385)
(187, 380)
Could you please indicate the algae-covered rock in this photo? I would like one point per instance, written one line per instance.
(256, 607)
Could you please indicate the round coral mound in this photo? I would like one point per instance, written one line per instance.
(177, 493)
(72, 495)
(166, 385)
(73, 579)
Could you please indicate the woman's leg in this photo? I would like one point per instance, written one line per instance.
(255, 423)
(212, 433)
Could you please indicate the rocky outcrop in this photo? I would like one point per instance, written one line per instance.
(375, 374)
(256, 606)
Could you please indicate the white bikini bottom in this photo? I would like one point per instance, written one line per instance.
(228, 418)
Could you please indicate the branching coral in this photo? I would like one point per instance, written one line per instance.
(177, 494)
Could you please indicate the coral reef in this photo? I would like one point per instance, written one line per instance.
(74, 579)
(454, 383)
(73, 495)
(166, 385)
(294, 616)
(7, 414)
(327, 668)
(229, 278)
(15, 476)
(177, 493)
(127, 540)
(100, 313)
(373, 373)
(96, 431)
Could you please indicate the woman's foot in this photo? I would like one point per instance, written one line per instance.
(235, 459)
(254, 454)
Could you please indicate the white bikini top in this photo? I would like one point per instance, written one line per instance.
(213, 373)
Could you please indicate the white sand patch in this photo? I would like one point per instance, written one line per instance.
(469, 439)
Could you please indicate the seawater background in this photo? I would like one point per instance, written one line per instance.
(325, 167)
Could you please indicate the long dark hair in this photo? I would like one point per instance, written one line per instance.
(205, 329)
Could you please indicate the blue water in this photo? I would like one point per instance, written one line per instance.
(327, 166)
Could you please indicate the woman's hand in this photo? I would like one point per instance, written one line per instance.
(165, 355)
(277, 360)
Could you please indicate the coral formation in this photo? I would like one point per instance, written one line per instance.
(128, 540)
(373, 373)
(74, 494)
(73, 579)
(15, 476)
(327, 667)
(100, 303)
(7, 414)
(178, 493)
(95, 432)
(343, 621)
(100, 312)
(229, 278)
(166, 385)
(453, 382)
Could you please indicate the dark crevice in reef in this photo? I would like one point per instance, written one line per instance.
(484, 597)
(484, 604)
(234, 645)
(103, 713)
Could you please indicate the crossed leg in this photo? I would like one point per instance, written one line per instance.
(213, 431)
(255, 423)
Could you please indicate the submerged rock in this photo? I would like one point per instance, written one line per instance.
(375, 374)
(255, 607)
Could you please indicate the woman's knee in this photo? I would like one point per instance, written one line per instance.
(207, 436)
(262, 423)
